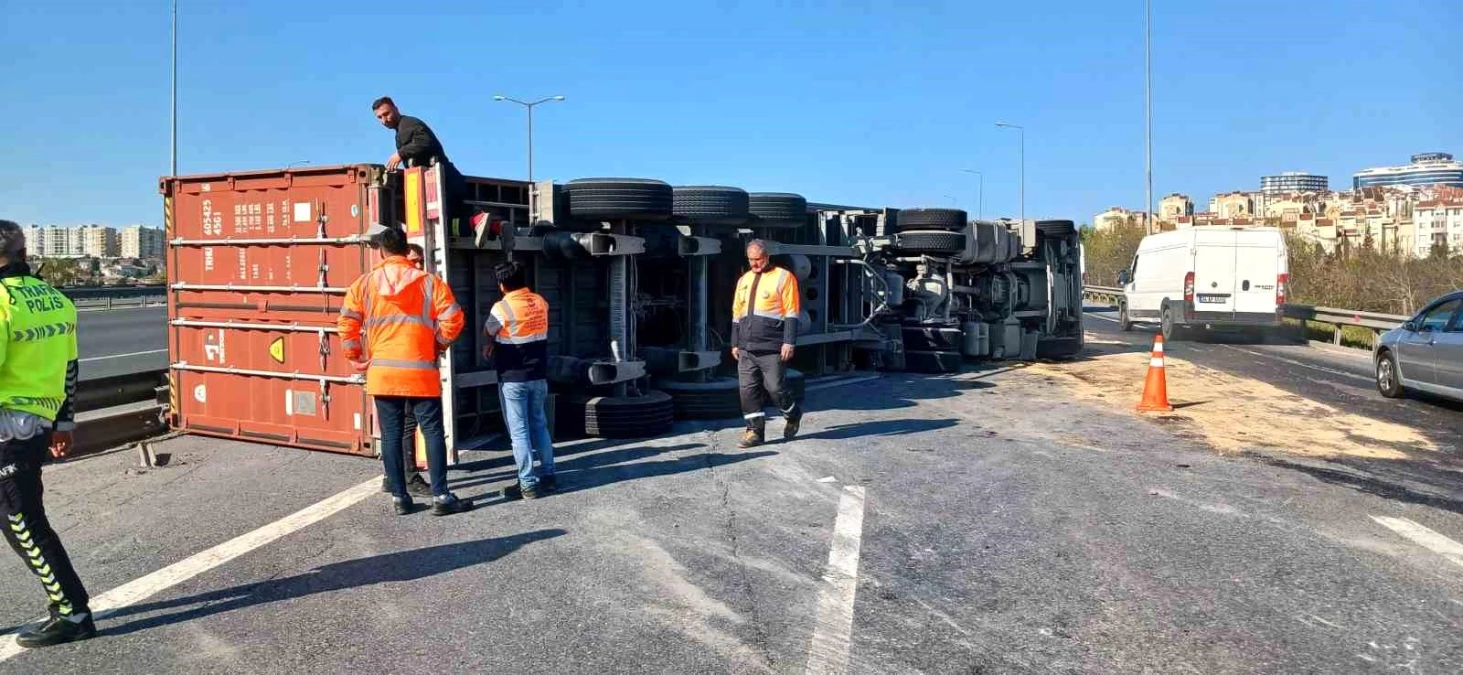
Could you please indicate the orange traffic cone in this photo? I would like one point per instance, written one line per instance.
(1155, 388)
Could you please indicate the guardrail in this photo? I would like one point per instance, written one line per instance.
(111, 297)
(1377, 322)
(113, 411)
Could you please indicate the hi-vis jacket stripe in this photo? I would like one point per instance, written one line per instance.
(399, 318)
(519, 324)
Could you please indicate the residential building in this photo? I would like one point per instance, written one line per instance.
(62, 242)
(1233, 204)
(1117, 216)
(1437, 222)
(99, 241)
(1174, 206)
(35, 240)
(141, 242)
(1293, 181)
(1431, 168)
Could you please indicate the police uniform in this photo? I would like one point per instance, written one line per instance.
(38, 372)
(764, 318)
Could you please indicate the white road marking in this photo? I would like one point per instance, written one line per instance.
(840, 383)
(1302, 364)
(123, 356)
(147, 586)
(1104, 318)
(1424, 537)
(828, 652)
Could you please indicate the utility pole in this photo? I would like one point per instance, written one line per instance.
(174, 136)
(1148, 111)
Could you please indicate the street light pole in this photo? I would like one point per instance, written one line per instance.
(1148, 112)
(530, 106)
(953, 201)
(173, 150)
(1022, 130)
(980, 207)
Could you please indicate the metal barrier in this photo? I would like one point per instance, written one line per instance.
(1375, 321)
(113, 411)
(110, 297)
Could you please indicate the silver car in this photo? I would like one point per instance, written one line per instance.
(1426, 353)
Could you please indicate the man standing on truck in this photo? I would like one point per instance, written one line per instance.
(518, 337)
(394, 324)
(38, 373)
(417, 145)
(764, 328)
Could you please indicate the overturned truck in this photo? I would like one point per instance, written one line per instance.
(638, 275)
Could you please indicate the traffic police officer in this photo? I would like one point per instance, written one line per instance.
(764, 328)
(38, 371)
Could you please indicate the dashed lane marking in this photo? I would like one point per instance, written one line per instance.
(147, 586)
(1424, 537)
(832, 636)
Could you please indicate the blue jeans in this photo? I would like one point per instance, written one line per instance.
(391, 414)
(528, 425)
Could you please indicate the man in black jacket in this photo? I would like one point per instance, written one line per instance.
(417, 145)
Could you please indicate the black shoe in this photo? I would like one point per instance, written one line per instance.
(447, 505)
(57, 631)
(790, 428)
(512, 493)
(403, 505)
(549, 483)
(385, 485)
(418, 487)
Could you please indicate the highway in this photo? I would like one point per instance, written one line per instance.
(1012, 518)
(121, 341)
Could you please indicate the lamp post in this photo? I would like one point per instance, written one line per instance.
(1021, 129)
(980, 202)
(1148, 113)
(530, 106)
(953, 201)
(173, 137)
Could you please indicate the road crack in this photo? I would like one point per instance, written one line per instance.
(759, 628)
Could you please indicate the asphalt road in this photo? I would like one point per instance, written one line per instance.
(121, 341)
(1006, 527)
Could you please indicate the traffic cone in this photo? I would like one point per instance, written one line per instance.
(1155, 388)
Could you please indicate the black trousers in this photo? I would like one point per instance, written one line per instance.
(28, 530)
(762, 377)
(409, 444)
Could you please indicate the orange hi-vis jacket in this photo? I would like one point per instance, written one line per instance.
(765, 310)
(408, 317)
(519, 324)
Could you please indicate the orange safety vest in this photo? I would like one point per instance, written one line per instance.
(519, 324)
(770, 319)
(408, 317)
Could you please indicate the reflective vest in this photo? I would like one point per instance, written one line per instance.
(399, 318)
(38, 343)
(519, 326)
(765, 310)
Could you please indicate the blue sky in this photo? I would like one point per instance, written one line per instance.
(855, 102)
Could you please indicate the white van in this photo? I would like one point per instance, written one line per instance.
(1207, 278)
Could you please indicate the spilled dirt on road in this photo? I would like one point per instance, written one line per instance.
(1233, 414)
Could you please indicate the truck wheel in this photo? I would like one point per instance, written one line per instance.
(719, 399)
(1389, 381)
(930, 242)
(626, 417)
(1058, 349)
(1125, 323)
(620, 199)
(778, 210)
(711, 205)
(949, 220)
(933, 362)
(1171, 332)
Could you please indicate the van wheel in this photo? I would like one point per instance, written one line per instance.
(1171, 332)
(1124, 321)
(1388, 381)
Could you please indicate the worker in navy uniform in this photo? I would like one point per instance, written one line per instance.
(764, 331)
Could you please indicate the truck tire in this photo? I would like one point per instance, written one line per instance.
(932, 338)
(620, 199)
(1056, 229)
(1125, 322)
(930, 242)
(621, 417)
(1058, 349)
(948, 220)
(720, 398)
(933, 362)
(778, 210)
(711, 205)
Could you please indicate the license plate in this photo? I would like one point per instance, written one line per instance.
(1213, 299)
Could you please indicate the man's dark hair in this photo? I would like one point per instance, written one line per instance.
(12, 240)
(511, 275)
(392, 241)
(417, 249)
(384, 100)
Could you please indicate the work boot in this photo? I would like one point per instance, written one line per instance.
(418, 487)
(549, 483)
(403, 505)
(512, 493)
(385, 485)
(58, 630)
(532, 491)
(448, 504)
(750, 439)
(790, 429)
